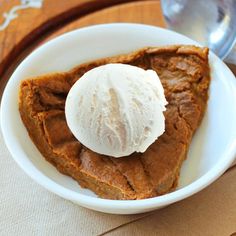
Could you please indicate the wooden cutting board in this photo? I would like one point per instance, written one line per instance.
(34, 25)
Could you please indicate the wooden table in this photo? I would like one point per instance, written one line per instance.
(34, 26)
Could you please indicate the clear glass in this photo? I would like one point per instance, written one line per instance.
(210, 22)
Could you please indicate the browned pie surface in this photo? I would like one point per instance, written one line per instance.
(184, 73)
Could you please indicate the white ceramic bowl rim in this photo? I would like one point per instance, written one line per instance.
(90, 201)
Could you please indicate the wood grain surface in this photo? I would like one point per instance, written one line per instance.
(32, 23)
(14, 49)
(148, 12)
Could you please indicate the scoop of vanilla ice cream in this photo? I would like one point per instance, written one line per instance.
(116, 109)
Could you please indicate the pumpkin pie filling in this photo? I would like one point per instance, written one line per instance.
(184, 74)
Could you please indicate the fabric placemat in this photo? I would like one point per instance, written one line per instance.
(26, 208)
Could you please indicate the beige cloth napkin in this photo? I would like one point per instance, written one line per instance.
(28, 209)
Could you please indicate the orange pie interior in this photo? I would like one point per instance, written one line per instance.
(184, 73)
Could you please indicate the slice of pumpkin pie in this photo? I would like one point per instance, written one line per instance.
(184, 74)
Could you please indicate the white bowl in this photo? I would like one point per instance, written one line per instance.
(211, 152)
